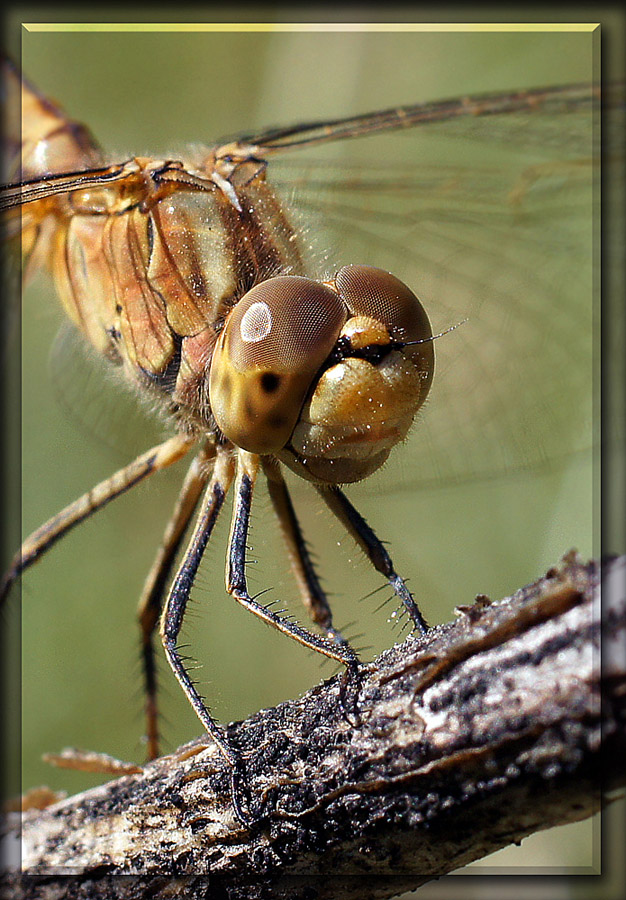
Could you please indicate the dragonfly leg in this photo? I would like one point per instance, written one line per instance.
(313, 595)
(43, 538)
(365, 537)
(155, 585)
(332, 646)
(174, 611)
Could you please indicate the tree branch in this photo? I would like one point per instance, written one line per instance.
(487, 729)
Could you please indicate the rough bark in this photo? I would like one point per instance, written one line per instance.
(487, 729)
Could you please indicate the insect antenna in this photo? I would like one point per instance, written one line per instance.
(432, 337)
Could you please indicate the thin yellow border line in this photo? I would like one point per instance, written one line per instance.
(310, 26)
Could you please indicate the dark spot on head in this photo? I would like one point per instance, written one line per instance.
(226, 383)
(118, 308)
(249, 411)
(269, 382)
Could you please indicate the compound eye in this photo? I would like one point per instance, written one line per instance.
(381, 296)
(272, 345)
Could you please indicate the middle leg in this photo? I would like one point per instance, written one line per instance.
(247, 470)
(313, 595)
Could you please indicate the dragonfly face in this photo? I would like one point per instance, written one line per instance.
(481, 397)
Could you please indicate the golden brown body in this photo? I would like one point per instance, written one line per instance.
(158, 263)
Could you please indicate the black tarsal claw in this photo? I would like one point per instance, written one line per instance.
(349, 687)
(242, 796)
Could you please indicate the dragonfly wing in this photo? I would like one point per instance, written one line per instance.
(552, 102)
(39, 136)
(490, 222)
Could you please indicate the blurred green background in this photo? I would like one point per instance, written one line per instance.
(150, 93)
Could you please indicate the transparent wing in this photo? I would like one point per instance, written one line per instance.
(487, 210)
(551, 101)
(490, 220)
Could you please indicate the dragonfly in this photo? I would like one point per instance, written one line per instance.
(190, 278)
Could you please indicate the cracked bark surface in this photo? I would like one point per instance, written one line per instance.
(487, 729)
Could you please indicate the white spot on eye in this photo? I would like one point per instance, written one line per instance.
(256, 323)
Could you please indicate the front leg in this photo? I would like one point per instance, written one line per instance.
(355, 524)
(174, 611)
(332, 646)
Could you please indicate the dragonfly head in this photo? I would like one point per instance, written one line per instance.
(327, 377)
